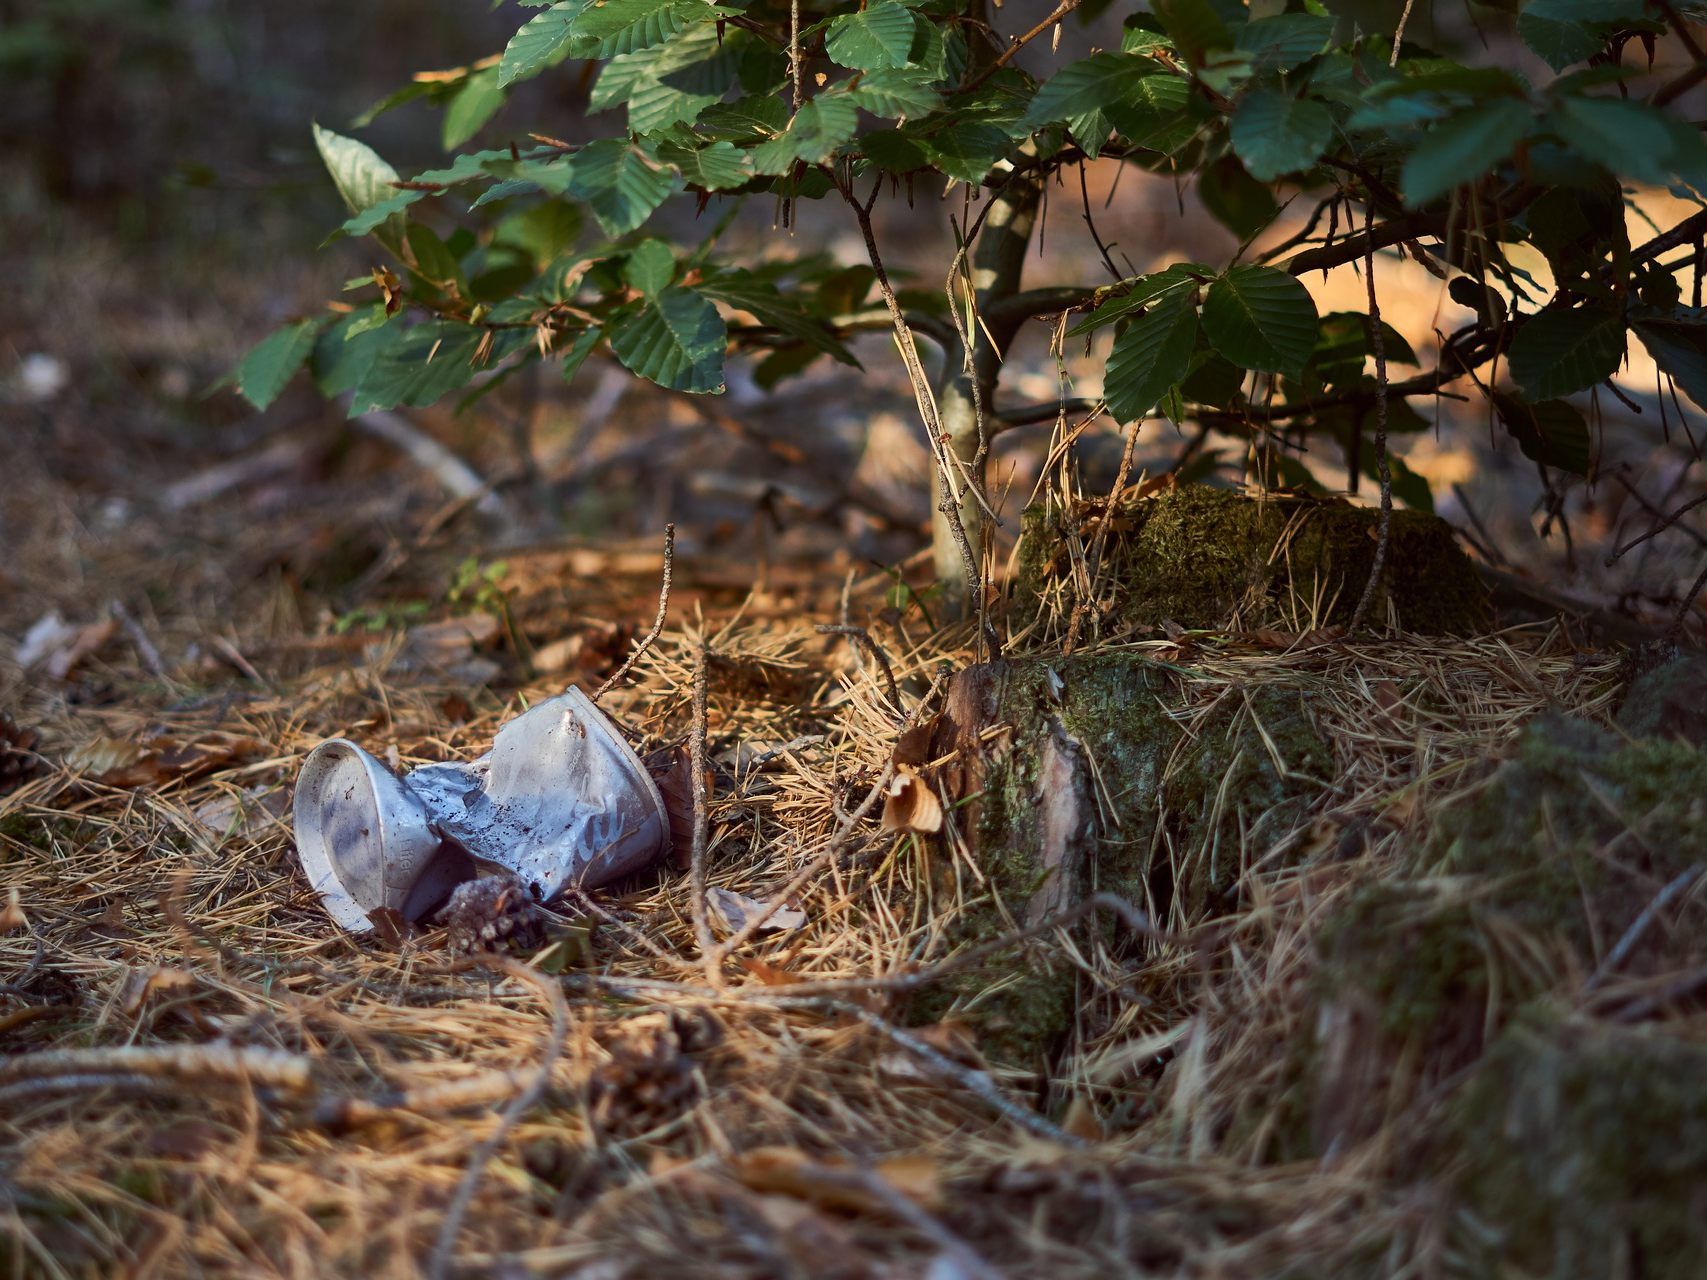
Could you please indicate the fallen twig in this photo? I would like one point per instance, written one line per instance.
(647, 640)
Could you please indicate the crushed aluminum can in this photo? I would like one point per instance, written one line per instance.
(560, 799)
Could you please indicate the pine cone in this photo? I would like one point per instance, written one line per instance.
(493, 913)
(17, 762)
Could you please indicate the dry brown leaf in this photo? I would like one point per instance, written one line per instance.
(675, 785)
(158, 980)
(910, 804)
(769, 974)
(833, 1183)
(123, 762)
(1387, 696)
(913, 747)
(736, 909)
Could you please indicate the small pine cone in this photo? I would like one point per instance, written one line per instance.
(18, 763)
(493, 913)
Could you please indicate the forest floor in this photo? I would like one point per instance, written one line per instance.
(1468, 963)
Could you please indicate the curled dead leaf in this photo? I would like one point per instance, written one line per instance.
(12, 917)
(837, 1184)
(736, 909)
(159, 980)
(910, 804)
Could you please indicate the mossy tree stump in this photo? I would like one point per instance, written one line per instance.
(1210, 558)
(1075, 778)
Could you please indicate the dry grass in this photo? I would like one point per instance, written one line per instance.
(205, 1078)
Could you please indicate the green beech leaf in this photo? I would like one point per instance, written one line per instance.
(1465, 147)
(1550, 431)
(474, 104)
(751, 119)
(381, 214)
(967, 151)
(362, 178)
(1261, 318)
(676, 340)
(272, 362)
(1195, 26)
(1565, 31)
(743, 291)
(540, 43)
(418, 367)
(1285, 40)
(650, 267)
(1566, 349)
(1087, 85)
(876, 38)
(817, 130)
(623, 26)
(895, 94)
(1156, 114)
(1276, 134)
(1149, 357)
(1235, 199)
(1143, 291)
(1678, 344)
(718, 166)
(671, 83)
(620, 183)
(577, 355)
(1629, 138)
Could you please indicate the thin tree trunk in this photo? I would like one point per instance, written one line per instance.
(997, 261)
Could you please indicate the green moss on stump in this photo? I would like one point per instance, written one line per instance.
(1583, 1152)
(1095, 787)
(1204, 557)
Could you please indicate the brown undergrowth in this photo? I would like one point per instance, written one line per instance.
(202, 1076)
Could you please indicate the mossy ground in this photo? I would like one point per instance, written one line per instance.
(1212, 558)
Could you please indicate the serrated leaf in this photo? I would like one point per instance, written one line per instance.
(1090, 84)
(620, 183)
(718, 166)
(1551, 432)
(742, 290)
(418, 367)
(544, 39)
(544, 232)
(1261, 318)
(1629, 138)
(577, 355)
(380, 214)
(894, 150)
(895, 94)
(273, 361)
(817, 130)
(650, 267)
(391, 101)
(1276, 134)
(745, 120)
(676, 340)
(1284, 41)
(1678, 344)
(1565, 31)
(1235, 199)
(623, 26)
(878, 37)
(362, 178)
(1143, 291)
(1462, 149)
(1151, 356)
(1566, 349)
(968, 150)
(1155, 114)
(1195, 27)
(474, 104)
(673, 83)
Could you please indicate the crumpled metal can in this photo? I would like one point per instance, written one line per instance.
(560, 800)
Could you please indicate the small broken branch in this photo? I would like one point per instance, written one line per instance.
(647, 640)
